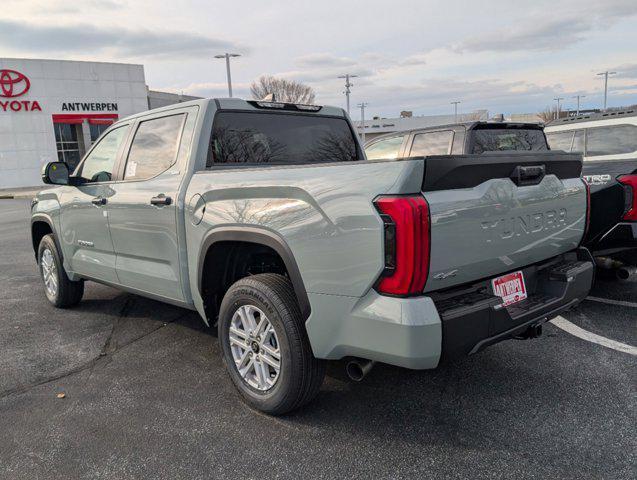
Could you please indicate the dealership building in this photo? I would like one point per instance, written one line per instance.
(55, 109)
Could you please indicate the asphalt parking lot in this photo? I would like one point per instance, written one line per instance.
(146, 396)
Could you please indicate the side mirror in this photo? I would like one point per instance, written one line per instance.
(56, 173)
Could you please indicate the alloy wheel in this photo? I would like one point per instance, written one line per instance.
(49, 273)
(255, 347)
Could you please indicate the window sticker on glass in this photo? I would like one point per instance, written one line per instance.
(131, 169)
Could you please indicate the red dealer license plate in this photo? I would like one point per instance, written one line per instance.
(510, 288)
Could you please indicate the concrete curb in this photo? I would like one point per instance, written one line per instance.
(11, 196)
(19, 194)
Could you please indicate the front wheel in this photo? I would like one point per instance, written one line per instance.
(59, 289)
(265, 345)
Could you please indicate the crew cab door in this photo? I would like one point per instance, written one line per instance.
(146, 222)
(86, 239)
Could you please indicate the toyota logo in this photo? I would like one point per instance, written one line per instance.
(13, 84)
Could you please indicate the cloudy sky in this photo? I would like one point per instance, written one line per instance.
(506, 56)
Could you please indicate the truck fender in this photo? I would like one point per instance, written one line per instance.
(41, 217)
(259, 236)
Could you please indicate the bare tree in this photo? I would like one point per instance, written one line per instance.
(547, 115)
(550, 113)
(283, 90)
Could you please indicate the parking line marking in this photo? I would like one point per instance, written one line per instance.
(621, 303)
(561, 322)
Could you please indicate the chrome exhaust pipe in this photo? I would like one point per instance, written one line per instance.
(626, 273)
(358, 368)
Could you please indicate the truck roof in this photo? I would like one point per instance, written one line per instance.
(591, 117)
(248, 105)
(467, 125)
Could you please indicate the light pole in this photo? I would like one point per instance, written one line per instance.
(348, 84)
(362, 106)
(558, 100)
(227, 57)
(455, 111)
(578, 99)
(606, 74)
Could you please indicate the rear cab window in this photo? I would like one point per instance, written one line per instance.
(497, 139)
(245, 137)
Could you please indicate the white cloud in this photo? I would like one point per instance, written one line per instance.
(494, 54)
(127, 43)
(544, 31)
(323, 60)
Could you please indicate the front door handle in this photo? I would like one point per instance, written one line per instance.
(99, 201)
(161, 199)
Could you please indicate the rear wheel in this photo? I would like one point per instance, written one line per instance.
(59, 289)
(265, 346)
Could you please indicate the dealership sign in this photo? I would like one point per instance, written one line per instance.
(15, 84)
(88, 107)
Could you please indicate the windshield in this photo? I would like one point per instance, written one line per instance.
(281, 138)
(501, 139)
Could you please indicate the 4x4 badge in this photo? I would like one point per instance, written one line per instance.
(443, 275)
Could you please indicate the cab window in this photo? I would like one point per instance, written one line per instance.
(432, 143)
(98, 165)
(154, 148)
(560, 140)
(612, 140)
(386, 148)
(568, 141)
(578, 142)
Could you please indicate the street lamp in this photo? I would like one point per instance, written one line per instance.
(455, 111)
(558, 100)
(605, 75)
(227, 57)
(362, 107)
(348, 84)
(578, 99)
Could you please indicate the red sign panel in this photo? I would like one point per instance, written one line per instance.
(95, 118)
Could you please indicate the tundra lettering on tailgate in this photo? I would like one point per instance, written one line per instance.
(505, 228)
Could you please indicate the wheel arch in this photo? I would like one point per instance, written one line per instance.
(42, 225)
(257, 236)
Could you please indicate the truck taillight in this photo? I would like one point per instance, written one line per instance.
(630, 188)
(407, 244)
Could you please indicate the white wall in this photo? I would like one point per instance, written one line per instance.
(27, 138)
(158, 99)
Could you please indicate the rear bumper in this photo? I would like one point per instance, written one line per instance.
(419, 332)
(472, 321)
(621, 237)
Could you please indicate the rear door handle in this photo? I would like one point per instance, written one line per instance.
(161, 199)
(99, 201)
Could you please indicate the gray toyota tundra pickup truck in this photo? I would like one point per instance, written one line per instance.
(267, 219)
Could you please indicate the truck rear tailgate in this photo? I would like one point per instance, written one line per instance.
(495, 213)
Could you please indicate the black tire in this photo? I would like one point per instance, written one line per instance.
(68, 292)
(301, 374)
